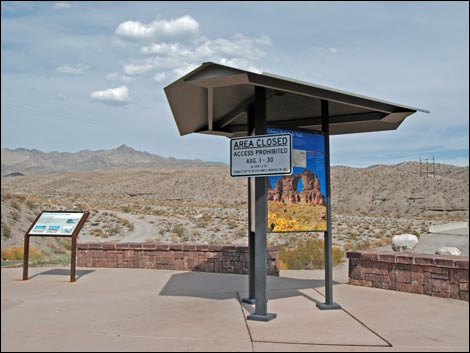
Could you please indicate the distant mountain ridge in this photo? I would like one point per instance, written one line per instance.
(28, 162)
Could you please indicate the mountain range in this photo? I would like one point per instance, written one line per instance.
(23, 161)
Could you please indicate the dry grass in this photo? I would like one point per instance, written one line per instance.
(17, 253)
(307, 254)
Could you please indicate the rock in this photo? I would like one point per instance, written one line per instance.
(404, 242)
(285, 190)
(448, 250)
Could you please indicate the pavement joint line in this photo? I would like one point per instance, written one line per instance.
(387, 345)
(325, 344)
(360, 322)
(126, 335)
(246, 322)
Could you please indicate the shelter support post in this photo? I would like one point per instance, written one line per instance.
(261, 301)
(251, 233)
(251, 251)
(329, 303)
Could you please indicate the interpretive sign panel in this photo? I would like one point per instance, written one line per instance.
(56, 223)
(261, 155)
(297, 202)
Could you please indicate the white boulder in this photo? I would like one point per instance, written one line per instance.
(448, 250)
(404, 242)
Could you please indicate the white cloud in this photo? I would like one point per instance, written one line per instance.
(181, 25)
(159, 77)
(137, 69)
(114, 76)
(60, 5)
(178, 26)
(239, 46)
(178, 59)
(134, 29)
(184, 69)
(240, 64)
(166, 49)
(118, 95)
(73, 69)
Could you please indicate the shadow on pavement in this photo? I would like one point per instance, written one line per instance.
(226, 286)
(63, 272)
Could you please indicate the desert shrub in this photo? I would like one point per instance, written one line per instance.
(127, 223)
(358, 245)
(114, 230)
(15, 205)
(126, 209)
(178, 229)
(307, 254)
(16, 253)
(409, 231)
(15, 215)
(6, 230)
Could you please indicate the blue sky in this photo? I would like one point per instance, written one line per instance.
(90, 75)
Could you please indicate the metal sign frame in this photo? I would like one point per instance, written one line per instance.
(261, 174)
(73, 237)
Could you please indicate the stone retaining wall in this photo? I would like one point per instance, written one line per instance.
(182, 257)
(440, 276)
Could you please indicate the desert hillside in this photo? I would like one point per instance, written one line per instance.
(192, 201)
(400, 190)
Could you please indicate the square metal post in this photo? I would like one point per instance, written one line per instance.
(26, 256)
(261, 301)
(329, 304)
(251, 233)
(73, 258)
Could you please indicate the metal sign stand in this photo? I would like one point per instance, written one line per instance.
(73, 254)
(329, 304)
(258, 246)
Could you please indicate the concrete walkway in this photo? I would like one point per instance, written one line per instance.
(150, 310)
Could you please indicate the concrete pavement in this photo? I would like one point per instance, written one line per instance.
(150, 310)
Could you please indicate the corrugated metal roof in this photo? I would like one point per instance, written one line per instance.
(214, 99)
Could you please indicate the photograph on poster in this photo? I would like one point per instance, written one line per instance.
(297, 202)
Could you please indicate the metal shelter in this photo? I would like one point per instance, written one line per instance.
(220, 100)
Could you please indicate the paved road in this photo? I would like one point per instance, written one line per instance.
(430, 242)
(143, 229)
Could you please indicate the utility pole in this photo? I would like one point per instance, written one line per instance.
(419, 165)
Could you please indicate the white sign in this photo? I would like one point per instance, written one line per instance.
(261, 155)
(56, 223)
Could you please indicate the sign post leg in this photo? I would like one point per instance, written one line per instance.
(261, 301)
(73, 259)
(26, 257)
(329, 304)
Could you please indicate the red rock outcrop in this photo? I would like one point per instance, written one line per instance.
(285, 190)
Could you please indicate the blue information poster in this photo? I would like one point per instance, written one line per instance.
(297, 202)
